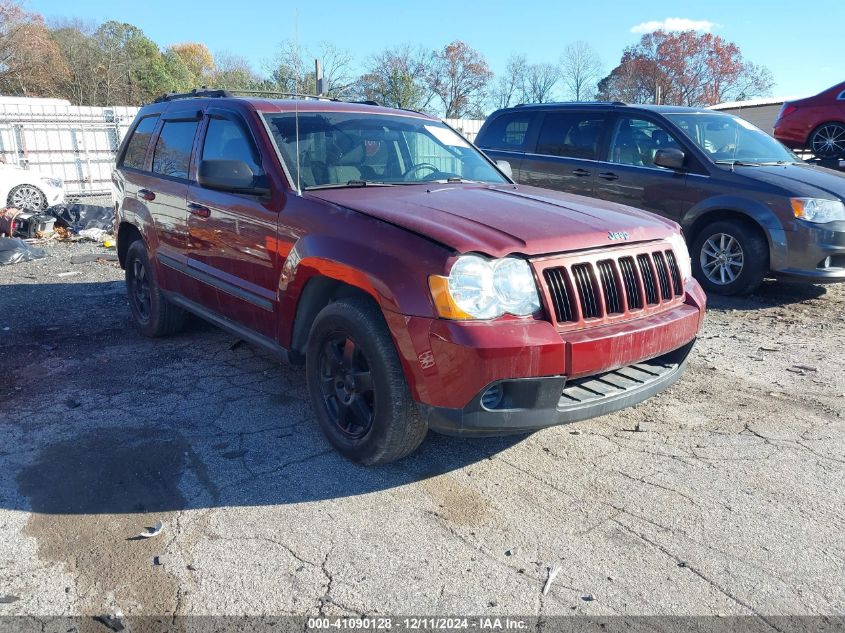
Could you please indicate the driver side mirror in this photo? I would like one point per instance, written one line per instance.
(505, 167)
(669, 157)
(234, 176)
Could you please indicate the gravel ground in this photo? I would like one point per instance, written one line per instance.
(723, 495)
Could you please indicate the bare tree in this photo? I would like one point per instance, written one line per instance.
(459, 77)
(580, 69)
(510, 88)
(293, 69)
(234, 72)
(397, 78)
(540, 81)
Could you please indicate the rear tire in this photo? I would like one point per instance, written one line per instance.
(828, 140)
(152, 313)
(729, 257)
(357, 385)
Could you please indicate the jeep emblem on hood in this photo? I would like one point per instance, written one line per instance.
(617, 235)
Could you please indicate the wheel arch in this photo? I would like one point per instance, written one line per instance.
(127, 233)
(754, 214)
(318, 292)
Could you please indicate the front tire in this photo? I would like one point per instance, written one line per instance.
(152, 313)
(828, 140)
(729, 257)
(357, 385)
(28, 197)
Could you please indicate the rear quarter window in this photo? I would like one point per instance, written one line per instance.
(508, 132)
(136, 148)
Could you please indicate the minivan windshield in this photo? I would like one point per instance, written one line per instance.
(728, 139)
(342, 149)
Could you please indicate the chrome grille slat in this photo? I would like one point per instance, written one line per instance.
(649, 282)
(559, 291)
(666, 291)
(632, 288)
(612, 300)
(590, 308)
(675, 272)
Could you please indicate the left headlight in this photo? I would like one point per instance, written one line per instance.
(480, 288)
(679, 246)
(54, 182)
(818, 210)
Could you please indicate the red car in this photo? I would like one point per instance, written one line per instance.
(815, 123)
(419, 285)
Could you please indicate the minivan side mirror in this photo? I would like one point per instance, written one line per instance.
(669, 157)
(234, 176)
(505, 167)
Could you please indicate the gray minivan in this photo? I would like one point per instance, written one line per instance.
(749, 207)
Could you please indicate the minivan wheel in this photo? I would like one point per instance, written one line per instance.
(729, 257)
(828, 141)
(357, 386)
(152, 313)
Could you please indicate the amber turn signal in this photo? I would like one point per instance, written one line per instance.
(443, 301)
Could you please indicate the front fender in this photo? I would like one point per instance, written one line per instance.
(394, 273)
(763, 213)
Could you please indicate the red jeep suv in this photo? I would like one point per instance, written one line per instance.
(419, 285)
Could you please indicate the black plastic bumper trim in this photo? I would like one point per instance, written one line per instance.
(550, 401)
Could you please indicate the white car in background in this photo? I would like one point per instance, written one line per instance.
(29, 189)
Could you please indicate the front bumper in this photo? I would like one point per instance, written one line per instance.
(55, 195)
(535, 403)
(451, 364)
(814, 253)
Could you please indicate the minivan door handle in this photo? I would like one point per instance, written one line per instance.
(581, 172)
(147, 195)
(608, 175)
(199, 210)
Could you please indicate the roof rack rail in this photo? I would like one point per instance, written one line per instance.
(552, 103)
(209, 93)
(195, 93)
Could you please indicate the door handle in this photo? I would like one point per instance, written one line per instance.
(581, 172)
(608, 175)
(199, 210)
(147, 195)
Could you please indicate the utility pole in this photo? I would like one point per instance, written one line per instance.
(318, 73)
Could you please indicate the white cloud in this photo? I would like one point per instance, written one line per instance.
(674, 24)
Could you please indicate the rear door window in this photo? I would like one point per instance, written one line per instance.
(173, 148)
(572, 134)
(508, 131)
(136, 148)
(225, 139)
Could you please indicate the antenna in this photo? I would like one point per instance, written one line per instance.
(296, 101)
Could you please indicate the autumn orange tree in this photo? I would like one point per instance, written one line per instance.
(684, 68)
(30, 61)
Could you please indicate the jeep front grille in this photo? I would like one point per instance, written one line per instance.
(612, 286)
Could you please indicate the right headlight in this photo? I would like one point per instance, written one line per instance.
(480, 288)
(818, 210)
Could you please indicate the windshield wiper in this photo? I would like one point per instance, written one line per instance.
(741, 163)
(349, 184)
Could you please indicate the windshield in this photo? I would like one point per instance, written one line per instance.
(354, 149)
(729, 139)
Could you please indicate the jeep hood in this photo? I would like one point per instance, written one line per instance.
(501, 219)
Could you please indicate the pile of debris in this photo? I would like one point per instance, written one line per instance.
(20, 229)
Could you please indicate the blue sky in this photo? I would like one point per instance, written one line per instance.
(800, 42)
